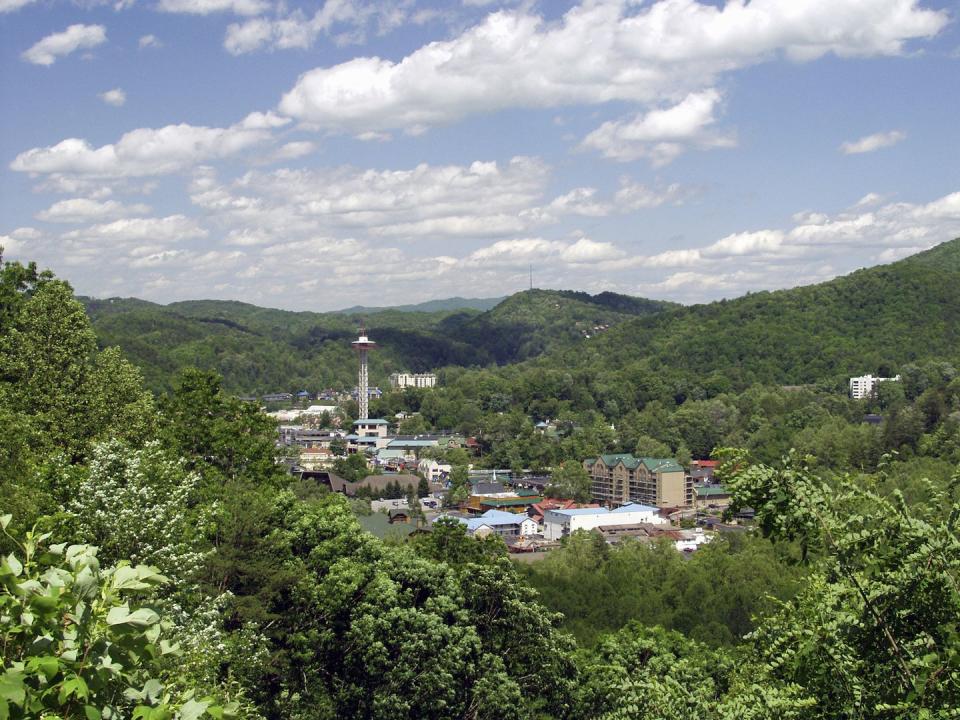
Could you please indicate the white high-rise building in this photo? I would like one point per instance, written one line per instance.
(866, 385)
(413, 380)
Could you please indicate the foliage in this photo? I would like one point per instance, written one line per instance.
(459, 489)
(570, 480)
(141, 505)
(77, 643)
(712, 596)
(225, 439)
(874, 632)
(352, 468)
(67, 394)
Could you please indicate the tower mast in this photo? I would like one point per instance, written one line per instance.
(363, 346)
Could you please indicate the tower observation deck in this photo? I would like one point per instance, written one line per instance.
(363, 345)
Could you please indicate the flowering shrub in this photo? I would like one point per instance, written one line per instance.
(140, 504)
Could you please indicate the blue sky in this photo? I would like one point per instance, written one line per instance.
(347, 152)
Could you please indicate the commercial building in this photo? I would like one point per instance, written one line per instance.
(866, 385)
(558, 524)
(622, 478)
(413, 380)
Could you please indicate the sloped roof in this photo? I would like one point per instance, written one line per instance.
(662, 465)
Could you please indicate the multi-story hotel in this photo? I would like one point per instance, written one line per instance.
(623, 478)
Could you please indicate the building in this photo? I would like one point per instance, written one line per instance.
(432, 470)
(497, 522)
(866, 385)
(623, 478)
(413, 380)
(558, 524)
(713, 497)
(277, 397)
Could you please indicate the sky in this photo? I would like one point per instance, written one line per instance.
(321, 155)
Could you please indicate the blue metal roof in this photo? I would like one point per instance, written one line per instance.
(635, 507)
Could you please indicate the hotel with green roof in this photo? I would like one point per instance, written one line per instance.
(622, 478)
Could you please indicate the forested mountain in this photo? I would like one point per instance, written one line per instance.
(260, 349)
(869, 321)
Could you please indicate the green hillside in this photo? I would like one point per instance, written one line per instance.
(533, 322)
(260, 350)
(869, 321)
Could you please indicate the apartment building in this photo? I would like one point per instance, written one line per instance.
(622, 478)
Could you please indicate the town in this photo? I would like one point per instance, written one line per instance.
(411, 480)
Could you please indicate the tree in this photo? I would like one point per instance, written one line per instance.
(141, 505)
(459, 489)
(51, 374)
(873, 632)
(570, 480)
(351, 468)
(651, 447)
(224, 438)
(338, 447)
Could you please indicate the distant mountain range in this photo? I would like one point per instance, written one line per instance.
(868, 321)
(445, 305)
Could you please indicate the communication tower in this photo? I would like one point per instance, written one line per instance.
(363, 345)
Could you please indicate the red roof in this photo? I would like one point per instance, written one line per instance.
(706, 463)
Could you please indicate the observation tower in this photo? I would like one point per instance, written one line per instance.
(363, 345)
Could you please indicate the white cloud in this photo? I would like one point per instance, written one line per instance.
(762, 242)
(480, 199)
(296, 30)
(208, 7)
(636, 196)
(600, 51)
(13, 5)
(149, 151)
(80, 210)
(869, 200)
(873, 142)
(520, 252)
(150, 41)
(165, 230)
(19, 242)
(660, 135)
(75, 37)
(586, 251)
(115, 97)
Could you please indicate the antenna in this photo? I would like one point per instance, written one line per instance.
(531, 276)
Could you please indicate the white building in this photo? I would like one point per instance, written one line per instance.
(432, 470)
(321, 409)
(866, 385)
(560, 523)
(413, 380)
